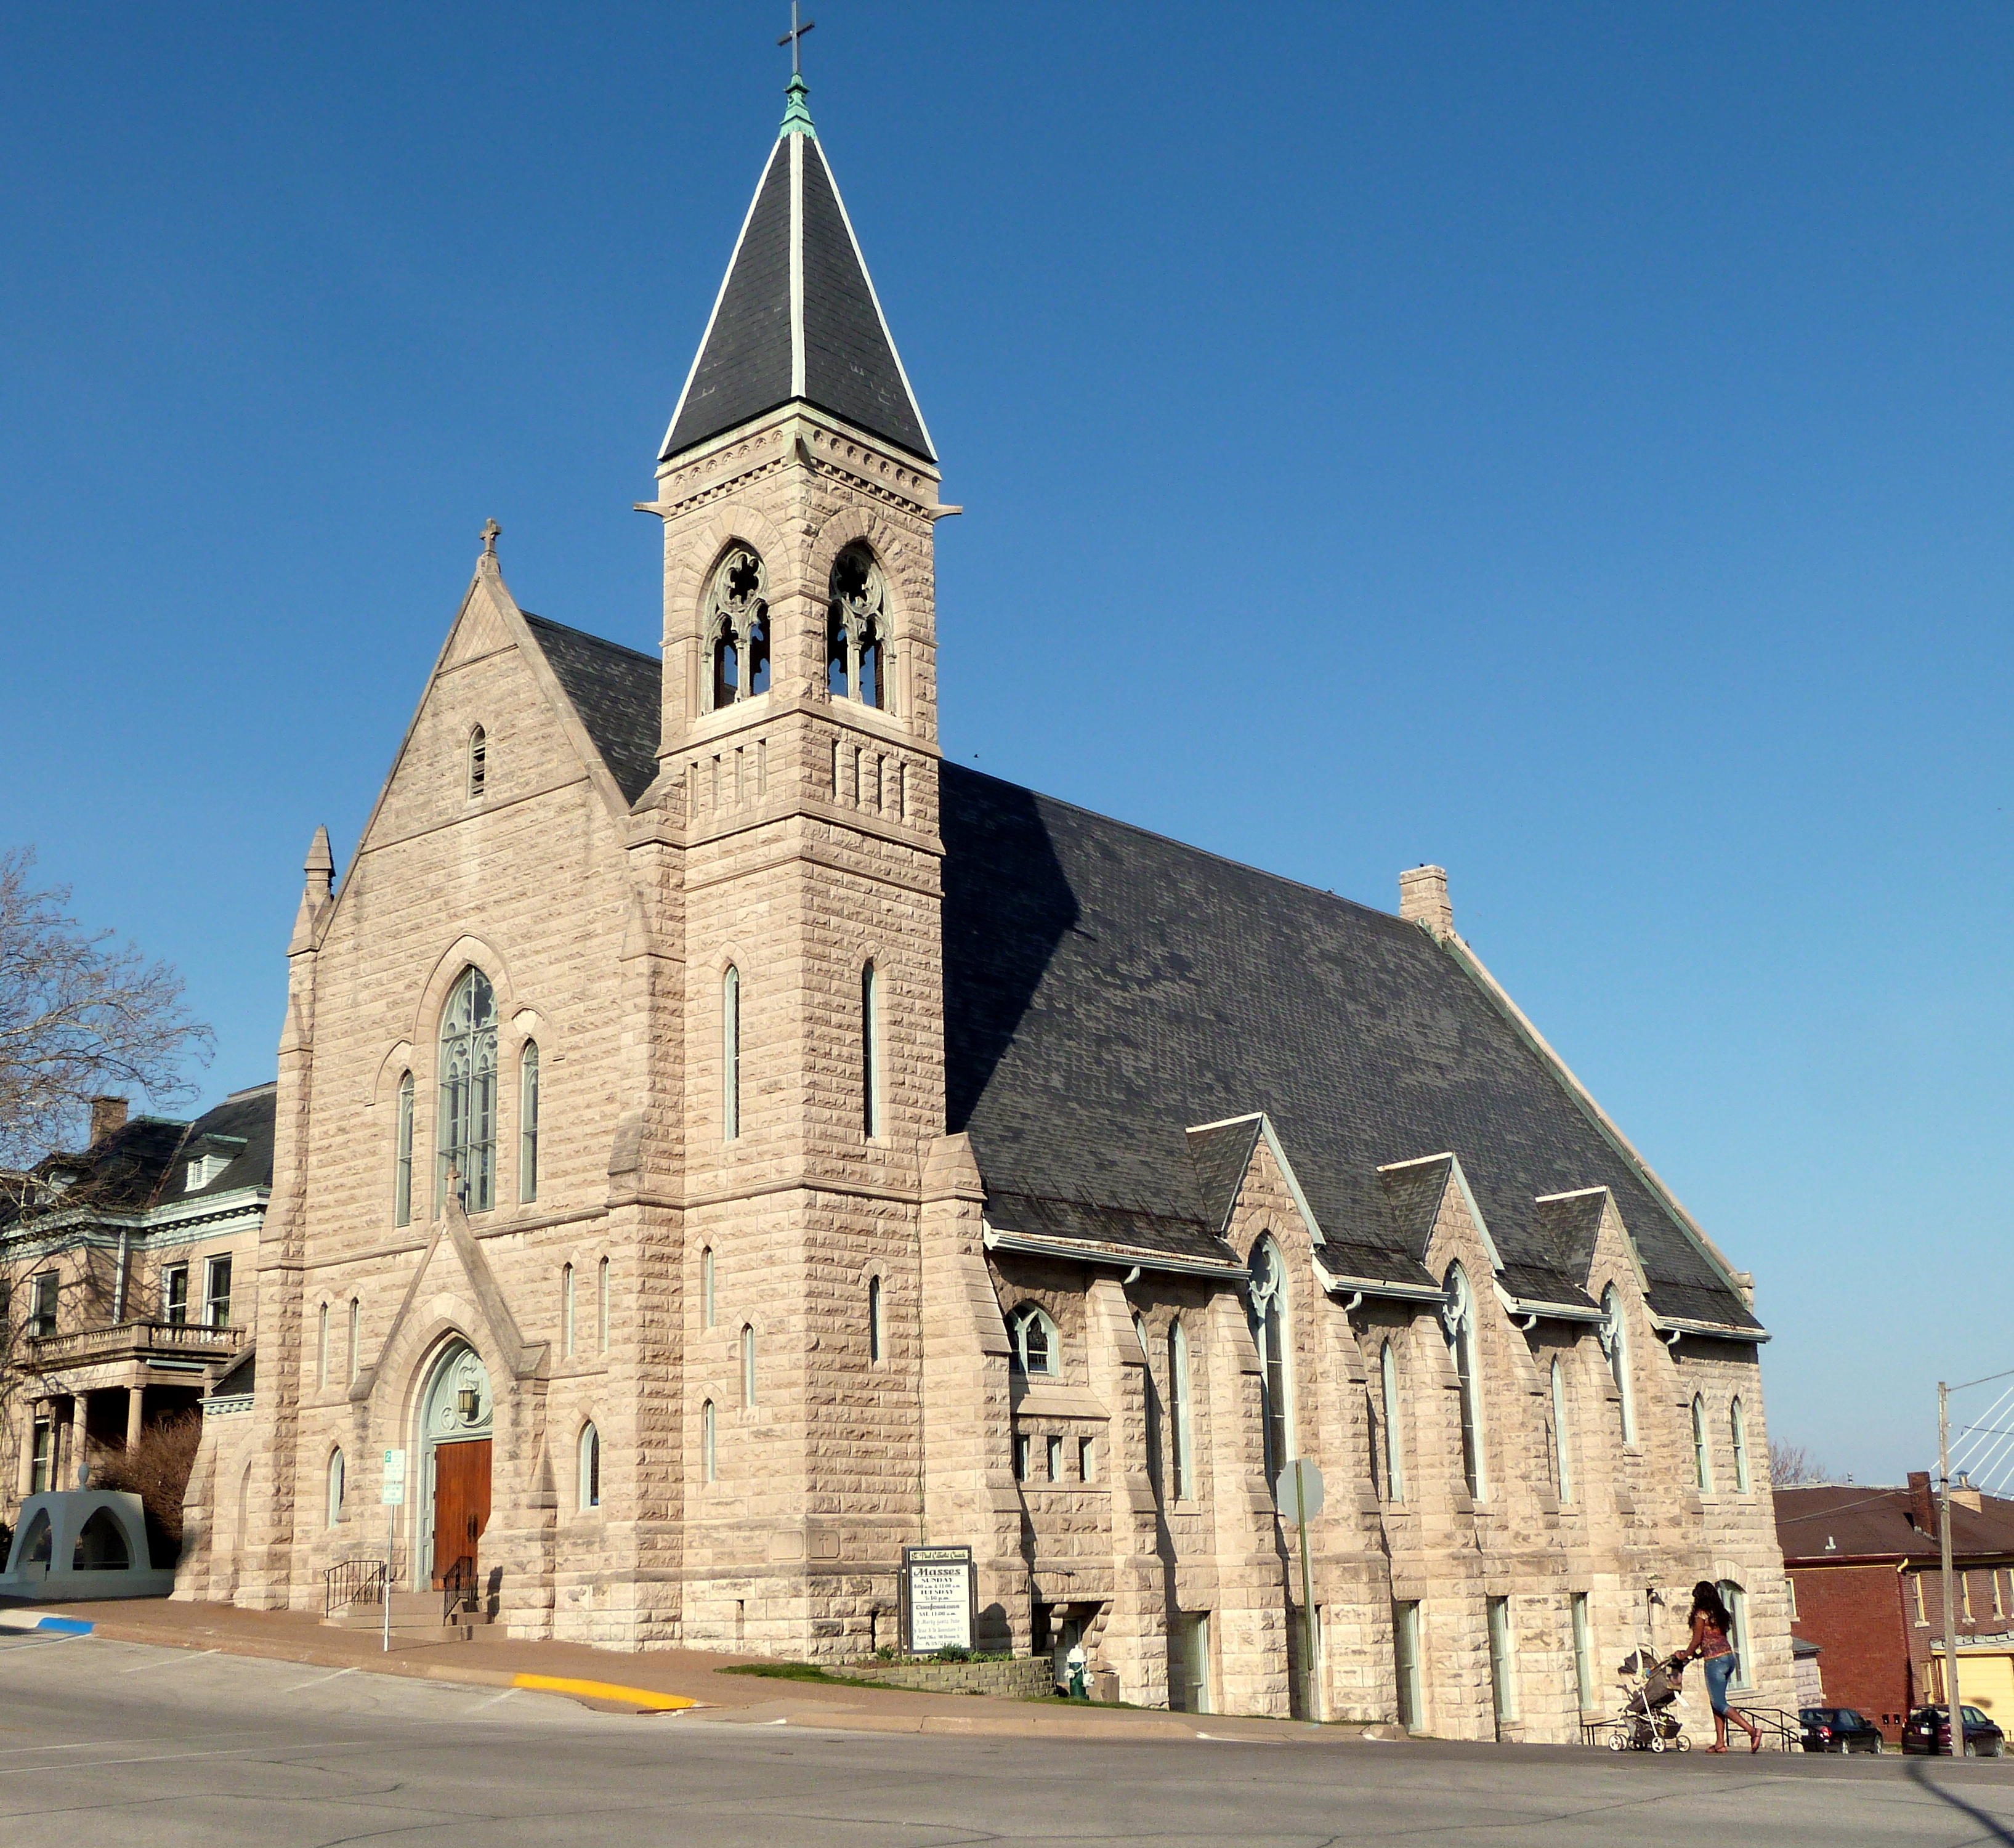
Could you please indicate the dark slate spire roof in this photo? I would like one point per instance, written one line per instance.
(797, 317)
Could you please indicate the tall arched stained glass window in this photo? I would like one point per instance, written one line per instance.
(1702, 1450)
(1615, 1339)
(402, 1160)
(1267, 1308)
(1179, 1413)
(528, 1122)
(1394, 1453)
(1459, 1316)
(1737, 1428)
(1562, 1453)
(467, 1141)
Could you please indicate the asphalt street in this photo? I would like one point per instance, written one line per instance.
(110, 1741)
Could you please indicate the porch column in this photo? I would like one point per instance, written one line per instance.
(135, 1406)
(80, 1434)
(25, 1475)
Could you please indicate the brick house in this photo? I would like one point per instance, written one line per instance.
(1866, 1586)
(721, 1143)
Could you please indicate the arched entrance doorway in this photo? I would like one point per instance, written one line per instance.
(457, 1417)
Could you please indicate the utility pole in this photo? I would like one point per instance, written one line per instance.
(1952, 1704)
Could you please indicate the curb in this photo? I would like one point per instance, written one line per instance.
(20, 1620)
(648, 1699)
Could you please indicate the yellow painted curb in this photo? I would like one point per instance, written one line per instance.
(643, 1697)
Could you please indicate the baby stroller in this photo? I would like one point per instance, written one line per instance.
(1647, 1723)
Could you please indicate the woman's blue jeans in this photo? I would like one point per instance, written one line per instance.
(1719, 1672)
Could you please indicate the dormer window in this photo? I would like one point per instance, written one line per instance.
(857, 630)
(735, 622)
(478, 761)
(204, 1169)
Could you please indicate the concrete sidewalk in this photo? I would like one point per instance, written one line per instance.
(682, 1682)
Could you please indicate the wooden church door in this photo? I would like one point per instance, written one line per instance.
(461, 1506)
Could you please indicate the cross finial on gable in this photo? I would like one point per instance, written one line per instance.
(491, 533)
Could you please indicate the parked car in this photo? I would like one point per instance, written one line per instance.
(1838, 1729)
(1929, 1731)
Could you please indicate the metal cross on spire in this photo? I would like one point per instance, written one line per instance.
(794, 37)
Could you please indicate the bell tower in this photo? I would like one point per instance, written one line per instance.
(797, 782)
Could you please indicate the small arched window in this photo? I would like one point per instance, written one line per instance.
(1268, 1310)
(334, 1486)
(1702, 1450)
(601, 1307)
(1737, 1429)
(566, 1310)
(1394, 1455)
(874, 1345)
(478, 761)
(466, 1143)
(402, 1159)
(735, 621)
(1178, 1411)
(1037, 1350)
(356, 1339)
(730, 1054)
(709, 1465)
(870, 1054)
(1562, 1452)
(1615, 1342)
(747, 1363)
(590, 1467)
(528, 1122)
(856, 629)
(706, 1287)
(321, 1348)
(1458, 1319)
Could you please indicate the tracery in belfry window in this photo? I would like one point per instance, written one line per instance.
(734, 621)
(467, 1141)
(856, 635)
(1036, 1347)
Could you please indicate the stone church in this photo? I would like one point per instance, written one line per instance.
(723, 1143)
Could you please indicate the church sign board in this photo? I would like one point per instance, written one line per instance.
(940, 1586)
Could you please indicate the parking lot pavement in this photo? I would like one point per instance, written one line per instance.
(102, 1740)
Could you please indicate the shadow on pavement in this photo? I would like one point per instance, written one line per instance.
(1995, 1830)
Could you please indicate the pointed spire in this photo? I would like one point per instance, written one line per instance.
(797, 113)
(797, 319)
(316, 891)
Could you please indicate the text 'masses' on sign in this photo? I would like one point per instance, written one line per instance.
(937, 1596)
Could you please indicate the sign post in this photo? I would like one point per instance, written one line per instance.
(940, 1587)
(1299, 1494)
(394, 1497)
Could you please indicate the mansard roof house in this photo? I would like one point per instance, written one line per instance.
(725, 1144)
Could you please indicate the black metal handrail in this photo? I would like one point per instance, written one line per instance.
(457, 1588)
(352, 1583)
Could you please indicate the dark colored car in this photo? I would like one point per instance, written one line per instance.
(1838, 1729)
(1929, 1731)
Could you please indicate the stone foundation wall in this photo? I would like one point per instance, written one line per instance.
(1025, 1678)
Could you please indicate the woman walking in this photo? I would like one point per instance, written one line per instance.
(1709, 1644)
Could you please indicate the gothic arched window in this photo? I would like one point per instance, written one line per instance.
(1395, 1458)
(1035, 1341)
(478, 761)
(1615, 1339)
(1458, 1316)
(856, 634)
(335, 1488)
(528, 1122)
(466, 1143)
(1737, 1426)
(1702, 1449)
(730, 1054)
(402, 1160)
(735, 622)
(1276, 1362)
(1562, 1453)
(1182, 1453)
(870, 1053)
(590, 1467)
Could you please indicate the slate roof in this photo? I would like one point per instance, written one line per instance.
(242, 1128)
(748, 361)
(1106, 988)
(1866, 1520)
(617, 692)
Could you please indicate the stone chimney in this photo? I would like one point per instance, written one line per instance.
(108, 1116)
(1921, 1510)
(1422, 900)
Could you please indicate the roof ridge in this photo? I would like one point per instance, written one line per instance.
(1149, 833)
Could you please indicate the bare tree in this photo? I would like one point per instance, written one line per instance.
(1791, 1466)
(80, 1015)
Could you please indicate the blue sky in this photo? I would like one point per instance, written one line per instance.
(1567, 443)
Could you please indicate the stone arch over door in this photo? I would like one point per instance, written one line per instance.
(454, 1428)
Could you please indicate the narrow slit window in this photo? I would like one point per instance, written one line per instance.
(1702, 1453)
(708, 1457)
(478, 761)
(748, 1363)
(356, 1338)
(566, 1310)
(1615, 1339)
(336, 1487)
(706, 1287)
(590, 1467)
(402, 1160)
(870, 1053)
(1458, 1316)
(1562, 1456)
(1737, 1431)
(730, 1054)
(1395, 1465)
(1179, 1412)
(601, 1307)
(528, 1122)
(874, 1349)
(321, 1346)
(1055, 1448)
